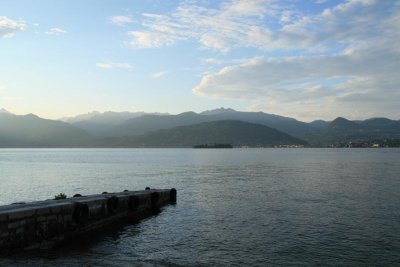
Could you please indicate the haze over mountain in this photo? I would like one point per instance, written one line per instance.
(102, 124)
(107, 117)
(32, 131)
(2, 110)
(236, 133)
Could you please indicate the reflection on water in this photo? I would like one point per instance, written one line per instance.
(235, 207)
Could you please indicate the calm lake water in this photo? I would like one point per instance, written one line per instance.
(236, 207)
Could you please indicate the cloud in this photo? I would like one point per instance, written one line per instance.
(158, 74)
(150, 39)
(9, 27)
(266, 25)
(312, 87)
(353, 73)
(344, 60)
(111, 65)
(120, 20)
(212, 60)
(55, 31)
(234, 23)
(2, 88)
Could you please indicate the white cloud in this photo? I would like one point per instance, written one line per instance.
(2, 88)
(212, 60)
(227, 61)
(55, 31)
(120, 20)
(245, 23)
(358, 80)
(158, 74)
(233, 23)
(312, 87)
(150, 39)
(9, 27)
(111, 65)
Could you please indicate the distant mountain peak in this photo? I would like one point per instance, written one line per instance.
(218, 111)
(338, 119)
(187, 113)
(2, 110)
(341, 123)
(31, 115)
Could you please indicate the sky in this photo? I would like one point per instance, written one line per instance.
(315, 59)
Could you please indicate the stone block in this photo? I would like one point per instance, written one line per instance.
(43, 210)
(16, 224)
(19, 214)
(3, 216)
(41, 219)
(52, 217)
(19, 231)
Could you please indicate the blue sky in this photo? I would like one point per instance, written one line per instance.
(304, 59)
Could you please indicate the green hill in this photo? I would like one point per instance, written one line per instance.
(148, 123)
(236, 133)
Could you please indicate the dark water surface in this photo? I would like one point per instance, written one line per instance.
(236, 207)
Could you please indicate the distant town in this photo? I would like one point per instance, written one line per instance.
(369, 144)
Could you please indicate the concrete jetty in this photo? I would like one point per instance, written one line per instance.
(42, 224)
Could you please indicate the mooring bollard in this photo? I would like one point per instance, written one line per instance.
(172, 195)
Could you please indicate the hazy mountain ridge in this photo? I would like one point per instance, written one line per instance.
(4, 111)
(110, 117)
(217, 111)
(32, 131)
(103, 124)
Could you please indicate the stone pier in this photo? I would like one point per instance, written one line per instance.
(43, 224)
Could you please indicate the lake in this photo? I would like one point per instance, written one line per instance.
(236, 207)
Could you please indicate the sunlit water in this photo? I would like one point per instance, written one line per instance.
(236, 207)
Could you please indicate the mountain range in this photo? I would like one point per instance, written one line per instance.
(343, 130)
(144, 123)
(236, 133)
(139, 129)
